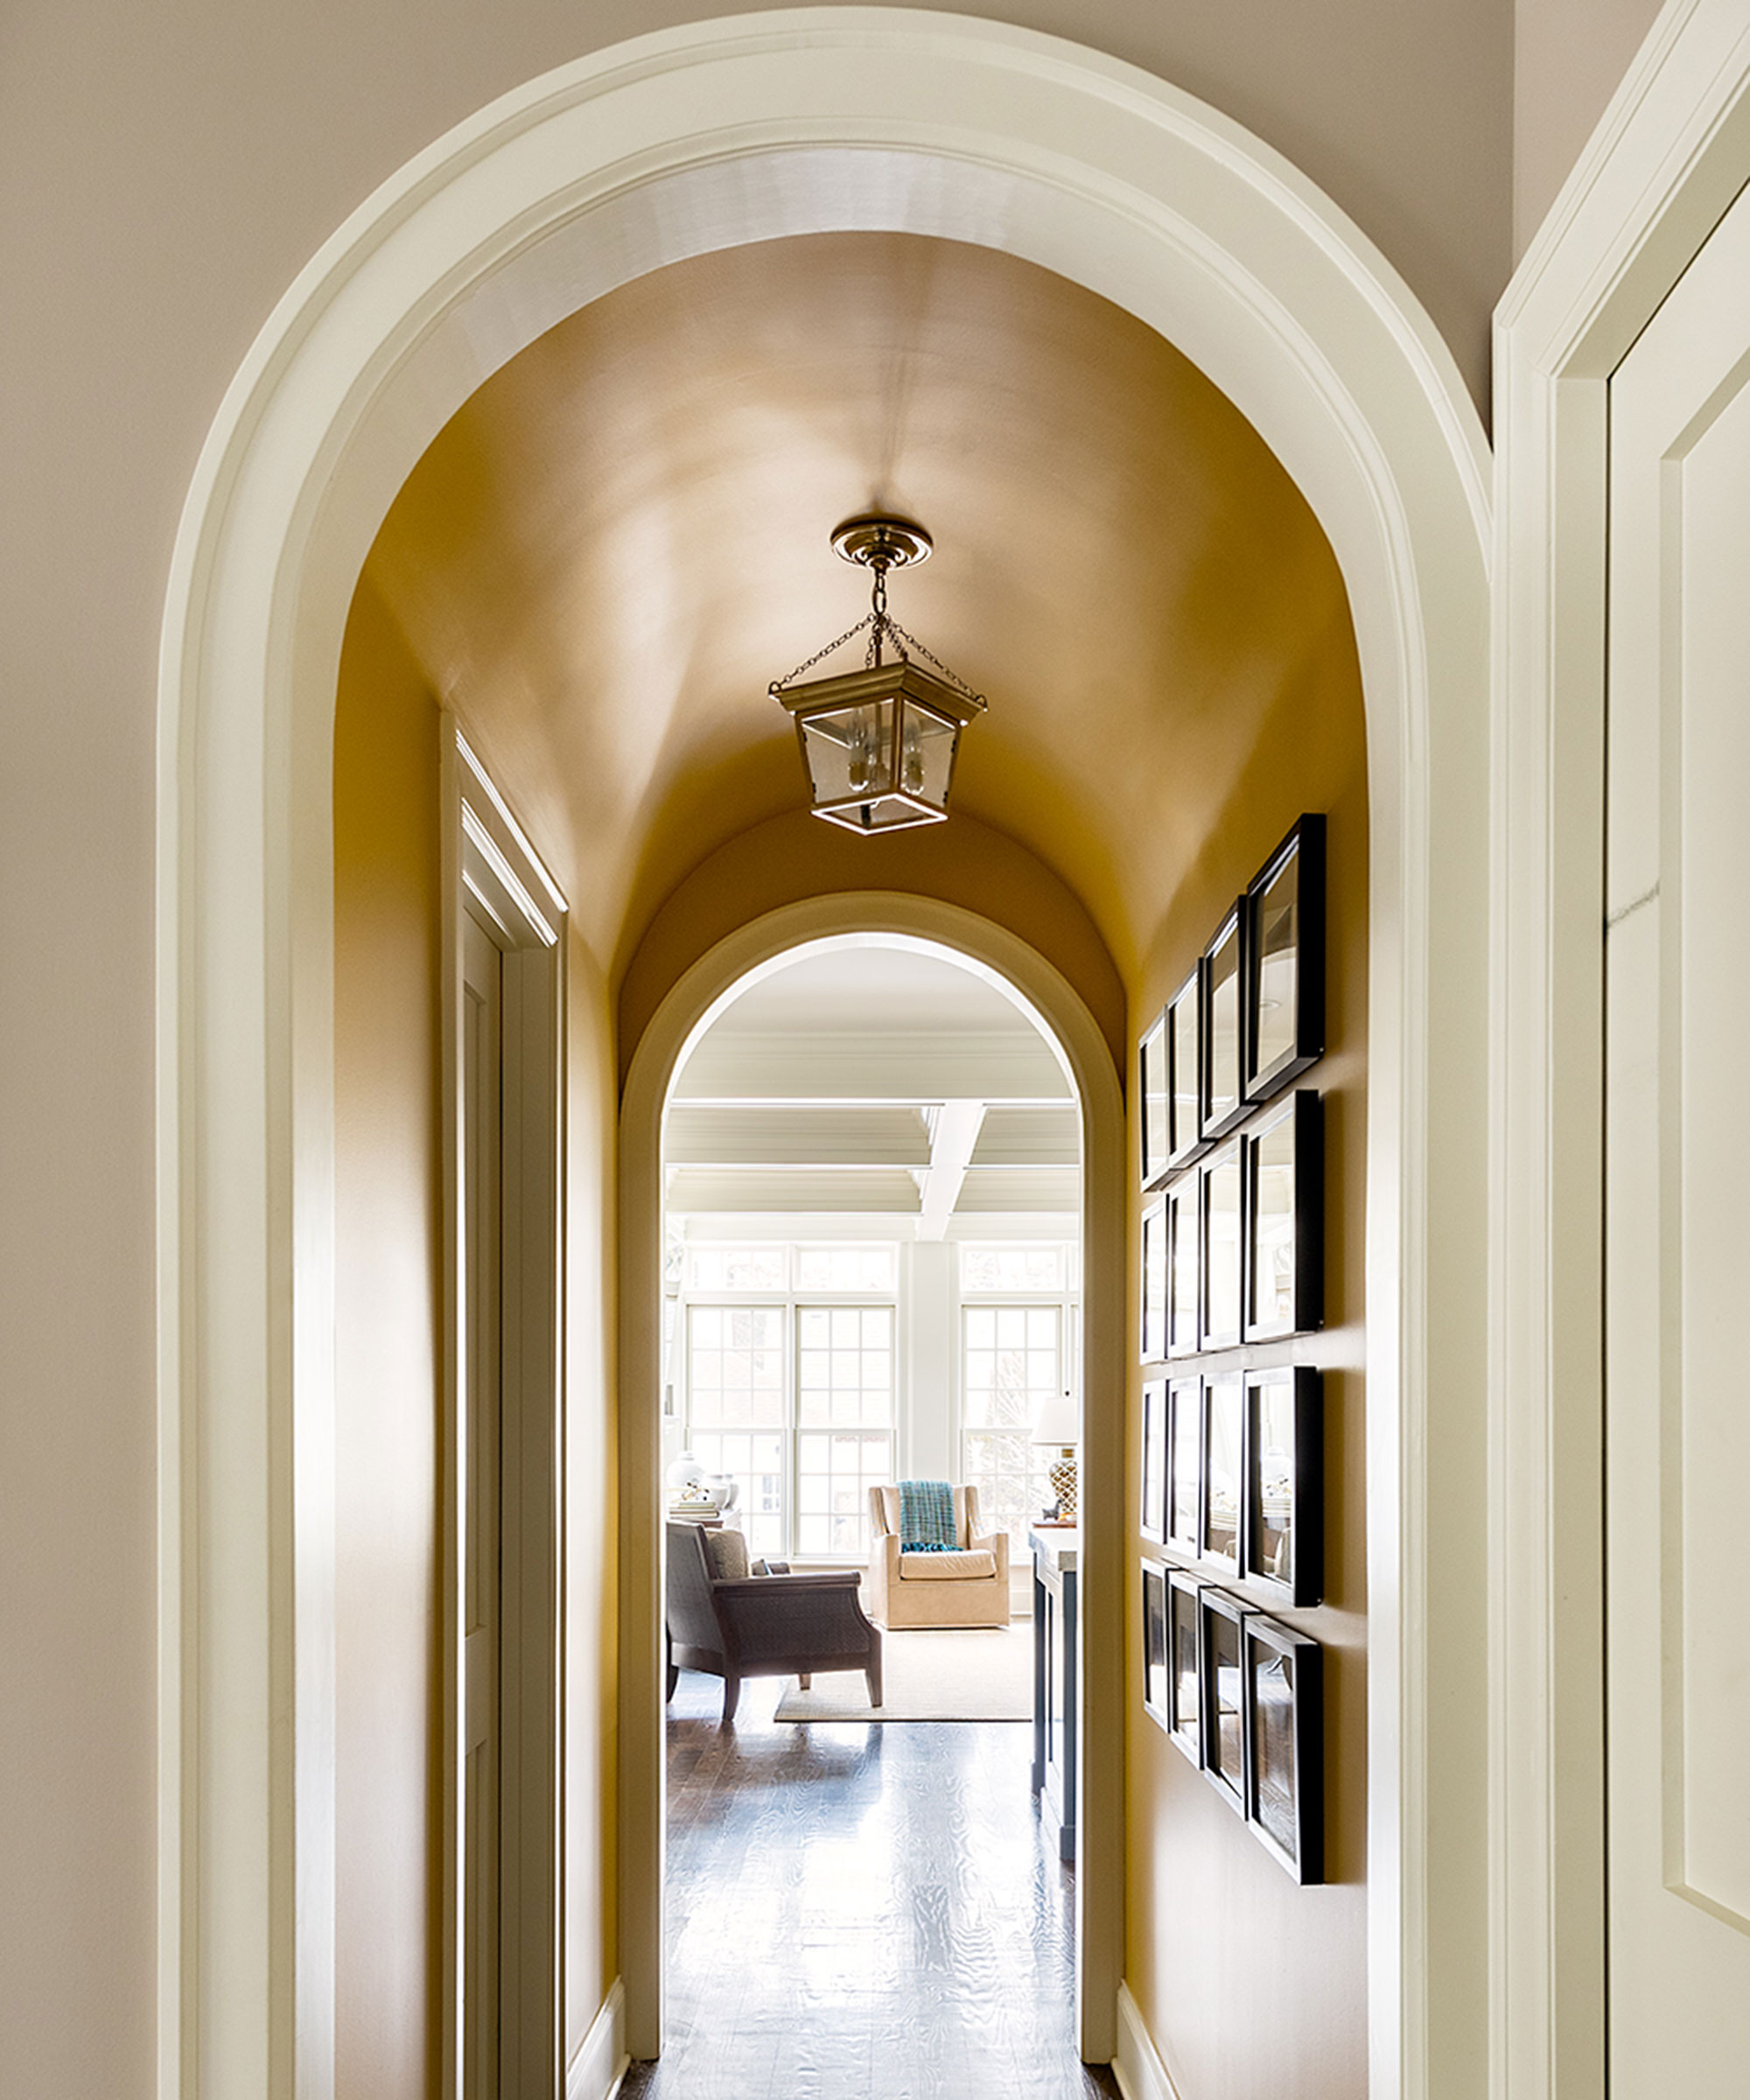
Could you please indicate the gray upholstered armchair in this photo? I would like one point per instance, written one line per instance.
(727, 1620)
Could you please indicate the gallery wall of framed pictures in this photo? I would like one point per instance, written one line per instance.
(1232, 1451)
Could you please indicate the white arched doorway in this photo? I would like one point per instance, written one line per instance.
(1062, 1017)
(803, 121)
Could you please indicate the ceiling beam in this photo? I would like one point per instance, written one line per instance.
(952, 1141)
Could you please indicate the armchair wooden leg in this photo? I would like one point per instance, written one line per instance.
(674, 1677)
(731, 1695)
(872, 1671)
(804, 1679)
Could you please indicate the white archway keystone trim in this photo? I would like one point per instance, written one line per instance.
(728, 131)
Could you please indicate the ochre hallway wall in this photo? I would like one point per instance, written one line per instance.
(387, 1361)
(387, 867)
(1250, 1984)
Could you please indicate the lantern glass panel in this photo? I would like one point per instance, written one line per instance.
(925, 755)
(849, 750)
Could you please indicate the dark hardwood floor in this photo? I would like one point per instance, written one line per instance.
(860, 1912)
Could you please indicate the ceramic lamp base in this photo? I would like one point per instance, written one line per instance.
(1062, 1478)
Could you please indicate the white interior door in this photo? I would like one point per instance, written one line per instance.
(1677, 1163)
(481, 1208)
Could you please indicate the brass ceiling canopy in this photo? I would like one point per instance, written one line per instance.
(878, 542)
(879, 744)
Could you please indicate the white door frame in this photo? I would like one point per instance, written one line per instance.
(1061, 1016)
(691, 140)
(1671, 152)
(490, 866)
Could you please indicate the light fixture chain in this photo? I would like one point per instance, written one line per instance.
(902, 637)
(819, 657)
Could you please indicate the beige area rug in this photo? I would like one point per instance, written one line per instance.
(930, 1674)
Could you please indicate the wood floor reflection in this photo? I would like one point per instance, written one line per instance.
(860, 1912)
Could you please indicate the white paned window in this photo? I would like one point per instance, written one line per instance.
(844, 1423)
(1012, 1360)
(794, 1397)
(712, 1269)
(846, 1268)
(1017, 1270)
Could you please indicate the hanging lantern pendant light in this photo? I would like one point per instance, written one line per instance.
(879, 744)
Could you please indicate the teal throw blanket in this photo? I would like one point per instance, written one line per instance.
(926, 1518)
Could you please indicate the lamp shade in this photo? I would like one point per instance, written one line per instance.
(1057, 1420)
(880, 745)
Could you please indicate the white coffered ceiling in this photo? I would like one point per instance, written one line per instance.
(871, 1082)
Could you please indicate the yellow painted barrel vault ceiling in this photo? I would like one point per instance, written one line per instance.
(617, 543)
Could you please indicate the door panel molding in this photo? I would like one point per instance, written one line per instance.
(1667, 157)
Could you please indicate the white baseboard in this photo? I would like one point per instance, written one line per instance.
(601, 2060)
(1137, 2066)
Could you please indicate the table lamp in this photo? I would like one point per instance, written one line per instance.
(1057, 1421)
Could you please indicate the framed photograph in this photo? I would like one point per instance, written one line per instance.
(1184, 1464)
(1183, 1660)
(1154, 1282)
(1282, 1524)
(1155, 1459)
(1185, 1072)
(1224, 1415)
(1284, 962)
(1283, 1761)
(1222, 1186)
(1222, 1007)
(1153, 1066)
(1155, 1694)
(1184, 1268)
(1284, 1201)
(1221, 1619)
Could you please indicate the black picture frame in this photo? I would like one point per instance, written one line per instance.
(1182, 1508)
(1153, 1083)
(1154, 1513)
(1283, 1679)
(1152, 1332)
(1281, 1531)
(1221, 1248)
(1221, 1010)
(1184, 1018)
(1283, 953)
(1185, 1664)
(1155, 1693)
(1184, 1267)
(1221, 1490)
(1282, 1199)
(1221, 1621)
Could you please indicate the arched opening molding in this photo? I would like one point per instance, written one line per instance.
(674, 144)
(1065, 1022)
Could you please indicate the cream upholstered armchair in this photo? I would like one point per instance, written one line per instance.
(967, 1587)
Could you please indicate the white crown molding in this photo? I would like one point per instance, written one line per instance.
(678, 143)
(1667, 158)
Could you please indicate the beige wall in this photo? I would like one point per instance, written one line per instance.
(1569, 58)
(164, 175)
(387, 1356)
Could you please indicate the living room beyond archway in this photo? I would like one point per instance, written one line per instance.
(872, 1302)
